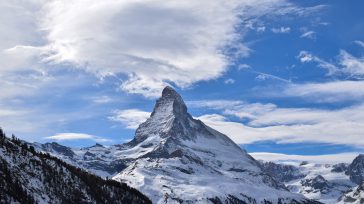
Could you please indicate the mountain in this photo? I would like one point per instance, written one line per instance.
(356, 170)
(354, 195)
(175, 158)
(282, 172)
(327, 183)
(27, 176)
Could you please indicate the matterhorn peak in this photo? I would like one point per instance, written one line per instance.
(169, 92)
(170, 103)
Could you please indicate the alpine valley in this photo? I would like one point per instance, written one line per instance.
(175, 158)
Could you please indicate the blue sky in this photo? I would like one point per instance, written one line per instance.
(276, 76)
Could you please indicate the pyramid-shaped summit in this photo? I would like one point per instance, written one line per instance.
(175, 158)
(169, 105)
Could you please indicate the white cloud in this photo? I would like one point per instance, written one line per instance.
(353, 66)
(243, 66)
(261, 29)
(130, 118)
(265, 76)
(285, 125)
(359, 42)
(214, 104)
(76, 136)
(346, 131)
(333, 91)
(151, 43)
(317, 159)
(309, 34)
(306, 57)
(229, 81)
(347, 64)
(102, 99)
(281, 30)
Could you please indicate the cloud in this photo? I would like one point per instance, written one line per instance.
(149, 44)
(102, 99)
(360, 43)
(243, 66)
(347, 65)
(333, 131)
(306, 57)
(130, 118)
(309, 34)
(76, 136)
(285, 125)
(317, 159)
(281, 30)
(352, 66)
(229, 81)
(214, 104)
(261, 76)
(334, 91)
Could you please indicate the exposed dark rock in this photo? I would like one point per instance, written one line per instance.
(282, 172)
(317, 183)
(356, 169)
(341, 167)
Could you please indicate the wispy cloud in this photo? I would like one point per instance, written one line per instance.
(229, 81)
(285, 125)
(261, 76)
(306, 57)
(334, 91)
(281, 30)
(346, 64)
(352, 66)
(359, 42)
(102, 99)
(317, 159)
(309, 34)
(130, 118)
(76, 136)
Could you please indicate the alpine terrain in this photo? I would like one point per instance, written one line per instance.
(175, 158)
(27, 176)
(327, 183)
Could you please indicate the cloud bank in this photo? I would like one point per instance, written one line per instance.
(148, 44)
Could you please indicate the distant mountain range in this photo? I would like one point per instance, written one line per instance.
(175, 158)
(338, 183)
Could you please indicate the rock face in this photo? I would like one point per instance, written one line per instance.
(282, 172)
(356, 169)
(317, 184)
(340, 167)
(27, 176)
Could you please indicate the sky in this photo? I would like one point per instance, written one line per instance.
(278, 77)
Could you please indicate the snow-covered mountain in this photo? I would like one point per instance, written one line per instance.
(175, 158)
(356, 170)
(338, 183)
(354, 195)
(27, 176)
